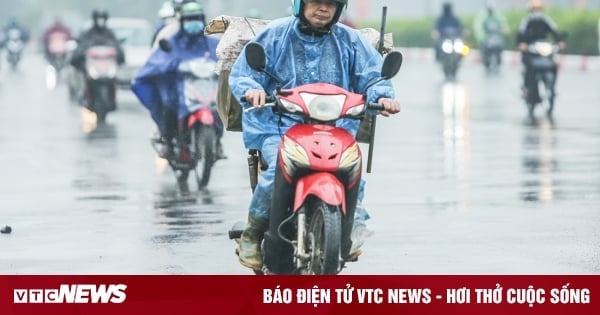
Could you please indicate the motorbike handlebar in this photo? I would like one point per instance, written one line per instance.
(269, 99)
(375, 106)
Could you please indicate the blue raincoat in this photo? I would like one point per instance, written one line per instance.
(343, 58)
(158, 83)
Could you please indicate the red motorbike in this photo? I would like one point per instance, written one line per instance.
(196, 146)
(317, 176)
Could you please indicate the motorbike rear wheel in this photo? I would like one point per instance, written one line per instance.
(324, 237)
(546, 90)
(102, 100)
(204, 141)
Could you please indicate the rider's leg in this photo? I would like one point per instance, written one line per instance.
(360, 233)
(219, 126)
(258, 213)
(169, 131)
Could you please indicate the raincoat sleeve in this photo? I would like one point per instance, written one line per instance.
(243, 78)
(149, 84)
(367, 65)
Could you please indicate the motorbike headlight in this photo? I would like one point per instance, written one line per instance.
(350, 162)
(293, 156)
(324, 107)
(447, 46)
(458, 46)
(92, 72)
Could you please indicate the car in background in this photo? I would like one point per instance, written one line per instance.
(136, 37)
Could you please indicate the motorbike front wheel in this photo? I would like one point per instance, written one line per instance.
(204, 141)
(493, 63)
(450, 68)
(324, 237)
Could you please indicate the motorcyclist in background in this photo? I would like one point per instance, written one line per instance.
(488, 22)
(15, 27)
(158, 78)
(309, 47)
(167, 15)
(98, 34)
(446, 25)
(536, 26)
(56, 28)
(13, 24)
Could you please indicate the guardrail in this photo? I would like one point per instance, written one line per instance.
(566, 62)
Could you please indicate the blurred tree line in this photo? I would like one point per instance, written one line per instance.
(580, 25)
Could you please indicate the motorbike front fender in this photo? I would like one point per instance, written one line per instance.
(325, 186)
(204, 116)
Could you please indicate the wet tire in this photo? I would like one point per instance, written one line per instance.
(101, 101)
(493, 66)
(205, 145)
(450, 69)
(548, 99)
(101, 115)
(324, 236)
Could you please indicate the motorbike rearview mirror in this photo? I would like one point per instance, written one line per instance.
(391, 65)
(165, 45)
(255, 56)
(257, 60)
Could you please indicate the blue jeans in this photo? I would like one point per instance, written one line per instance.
(260, 205)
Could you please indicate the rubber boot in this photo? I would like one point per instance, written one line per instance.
(360, 232)
(250, 242)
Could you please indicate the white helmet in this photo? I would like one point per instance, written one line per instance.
(166, 10)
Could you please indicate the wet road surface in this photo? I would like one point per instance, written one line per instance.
(462, 182)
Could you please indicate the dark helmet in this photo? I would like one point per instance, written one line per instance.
(447, 8)
(298, 8)
(99, 17)
(99, 14)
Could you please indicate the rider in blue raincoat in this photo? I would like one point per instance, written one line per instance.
(305, 48)
(159, 85)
